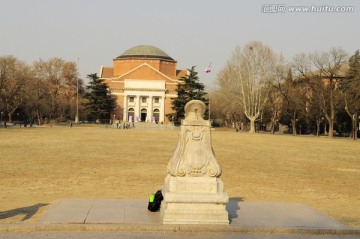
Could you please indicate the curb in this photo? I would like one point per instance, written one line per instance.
(171, 228)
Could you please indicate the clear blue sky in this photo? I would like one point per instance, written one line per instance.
(193, 32)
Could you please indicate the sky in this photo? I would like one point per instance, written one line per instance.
(193, 32)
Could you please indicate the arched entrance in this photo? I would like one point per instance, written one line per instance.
(143, 115)
(131, 113)
(156, 115)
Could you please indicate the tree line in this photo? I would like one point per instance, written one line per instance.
(49, 91)
(317, 93)
(313, 93)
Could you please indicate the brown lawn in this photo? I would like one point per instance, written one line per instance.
(41, 165)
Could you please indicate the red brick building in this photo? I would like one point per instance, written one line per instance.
(143, 79)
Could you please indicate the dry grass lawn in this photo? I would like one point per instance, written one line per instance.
(41, 165)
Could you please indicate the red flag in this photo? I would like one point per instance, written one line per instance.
(208, 69)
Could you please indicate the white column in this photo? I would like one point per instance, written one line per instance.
(125, 108)
(162, 109)
(137, 107)
(150, 108)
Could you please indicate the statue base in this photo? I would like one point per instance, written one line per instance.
(194, 200)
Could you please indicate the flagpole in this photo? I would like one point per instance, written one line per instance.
(208, 70)
(77, 93)
(209, 110)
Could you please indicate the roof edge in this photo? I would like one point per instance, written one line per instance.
(145, 56)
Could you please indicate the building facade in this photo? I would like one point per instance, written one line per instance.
(143, 80)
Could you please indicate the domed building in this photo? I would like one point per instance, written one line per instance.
(143, 80)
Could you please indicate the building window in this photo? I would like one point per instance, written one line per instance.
(156, 100)
(143, 99)
(131, 99)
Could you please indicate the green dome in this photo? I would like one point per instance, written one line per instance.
(145, 51)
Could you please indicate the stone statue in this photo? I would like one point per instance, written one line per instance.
(194, 156)
(193, 192)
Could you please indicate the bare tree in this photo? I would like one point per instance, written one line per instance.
(37, 105)
(222, 107)
(324, 72)
(293, 93)
(248, 75)
(276, 101)
(329, 66)
(15, 76)
(274, 107)
(58, 81)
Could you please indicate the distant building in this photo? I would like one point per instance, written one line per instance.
(143, 80)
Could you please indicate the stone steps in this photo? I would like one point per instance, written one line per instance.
(152, 126)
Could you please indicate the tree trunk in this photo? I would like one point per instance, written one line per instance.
(353, 131)
(318, 127)
(293, 122)
(353, 118)
(331, 128)
(332, 110)
(325, 130)
(272, 127)
(252, 125)
(10, 117)
(38, 117)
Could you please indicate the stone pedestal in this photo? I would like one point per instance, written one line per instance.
(193, 192)
(194, 200)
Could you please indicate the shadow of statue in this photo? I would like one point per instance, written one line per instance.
(233, 206)
(28, 212)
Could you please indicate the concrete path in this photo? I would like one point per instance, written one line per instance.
(103, 211)
(168, 235)
(131, 219)
(241, 214)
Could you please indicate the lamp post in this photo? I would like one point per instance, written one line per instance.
(77, 94)
(359, 125)
(355, 118)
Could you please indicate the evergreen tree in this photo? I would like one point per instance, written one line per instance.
(188, 89)
(99, 105)
(351, 90)
(354, 66)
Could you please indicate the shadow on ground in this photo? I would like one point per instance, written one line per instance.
(28, 212)
(233, 206)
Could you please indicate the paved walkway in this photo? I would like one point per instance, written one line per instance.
(168, 235)
(110, 215)
(242, 214)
